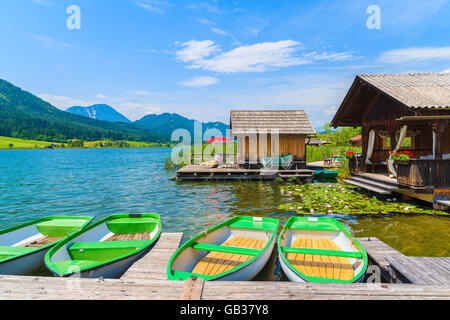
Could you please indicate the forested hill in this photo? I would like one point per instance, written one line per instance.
(23, 115)
(166, 123)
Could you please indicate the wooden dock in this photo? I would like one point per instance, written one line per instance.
(198, 172)
(153, 266)
(147, 279)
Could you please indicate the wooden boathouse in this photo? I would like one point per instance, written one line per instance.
(398, 113)
(271, 145)
(267, 133)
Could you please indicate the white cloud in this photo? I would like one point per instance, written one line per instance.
(200, 6)
(339, 56)
(252, 58)
(50, 43)
(200, 82)
(156, 6)
(332, 110)
(225, 33)
(44, 2)
(63, 102)
(135, 110)
(220, 31)
(446, 71)
(140, 92)
(196, 50)
(415, 54)
(205, 21)
(101, 96)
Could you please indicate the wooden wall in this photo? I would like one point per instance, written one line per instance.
(252, 147)
(447, 140)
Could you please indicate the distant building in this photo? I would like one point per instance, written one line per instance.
(356, 141)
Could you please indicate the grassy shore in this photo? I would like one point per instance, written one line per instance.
(16, 143)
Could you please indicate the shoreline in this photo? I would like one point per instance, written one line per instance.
(68, 148)
(10, 143)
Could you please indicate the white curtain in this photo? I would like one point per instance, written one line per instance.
(402, 136)
(370, 146)
(434, 144)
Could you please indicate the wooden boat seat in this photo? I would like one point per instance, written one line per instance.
(132, 225)
(215, 263)
(129, 236)
(43, 241)
(320, 266)
(59, 227)
(253, 225)
(103, 250)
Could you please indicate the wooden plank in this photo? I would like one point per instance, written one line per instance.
(313, 265)
(193, 289)
(420, 270)
(154, 264)
(377, 252)
(43, 241)
(253, 290)
(44, 288)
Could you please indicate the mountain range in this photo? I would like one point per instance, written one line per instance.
(163, 124)
(24, 115)
(99, 112)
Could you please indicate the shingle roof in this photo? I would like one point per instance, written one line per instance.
(317, 142)
(414, 90)
(286, 121)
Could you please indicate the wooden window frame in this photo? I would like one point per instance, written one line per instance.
(412, 147)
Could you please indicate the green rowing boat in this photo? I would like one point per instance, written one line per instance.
(236, 249)
(319, 249)
(22, 248)
(326, 174)
(107, 248)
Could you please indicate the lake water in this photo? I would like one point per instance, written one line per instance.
(100, 182)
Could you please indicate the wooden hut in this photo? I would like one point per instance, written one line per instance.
(270, 133)
(399, 112)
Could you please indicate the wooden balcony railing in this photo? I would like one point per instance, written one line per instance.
(424, 173)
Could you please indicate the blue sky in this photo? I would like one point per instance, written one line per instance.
(202, 59)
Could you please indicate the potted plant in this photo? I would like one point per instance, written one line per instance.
(402, 165)
(349, 154)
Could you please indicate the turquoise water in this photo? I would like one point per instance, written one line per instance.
(100, 182)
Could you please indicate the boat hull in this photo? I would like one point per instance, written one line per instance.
(24, 265)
